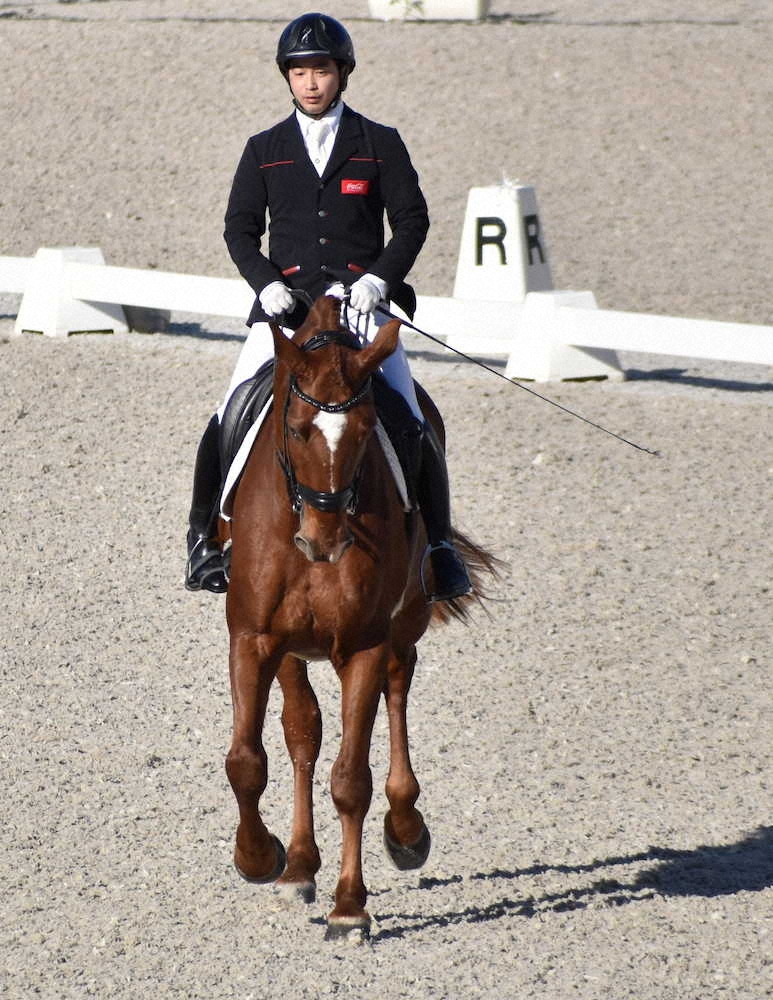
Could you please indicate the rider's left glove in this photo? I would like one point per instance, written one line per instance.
(366, 293)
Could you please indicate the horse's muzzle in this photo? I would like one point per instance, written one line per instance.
(321, 542)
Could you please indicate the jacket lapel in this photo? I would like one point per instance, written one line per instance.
(293, 144)
(349, 142)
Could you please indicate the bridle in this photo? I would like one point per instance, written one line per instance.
(300, 493)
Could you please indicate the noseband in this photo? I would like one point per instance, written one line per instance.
(300, 494)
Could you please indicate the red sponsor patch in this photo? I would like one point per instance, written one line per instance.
(349, 186)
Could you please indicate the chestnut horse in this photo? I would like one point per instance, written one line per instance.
(325, 564)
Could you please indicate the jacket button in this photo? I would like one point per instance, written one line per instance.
(323, 242)
(322, 213)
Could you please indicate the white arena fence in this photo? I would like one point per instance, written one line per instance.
(503, 303)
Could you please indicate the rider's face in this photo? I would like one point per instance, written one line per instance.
(314, 83)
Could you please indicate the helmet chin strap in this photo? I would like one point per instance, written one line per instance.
(320, 114)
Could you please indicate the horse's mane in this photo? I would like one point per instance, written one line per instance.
(324, 318)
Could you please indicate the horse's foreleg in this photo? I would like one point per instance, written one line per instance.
(406, 836)
(258, 856)
(362, 680)
(302, 724)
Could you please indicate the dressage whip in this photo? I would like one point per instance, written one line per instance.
(546, 399)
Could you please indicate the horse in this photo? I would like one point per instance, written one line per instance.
(325, 565)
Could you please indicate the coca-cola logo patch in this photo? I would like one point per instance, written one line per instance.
(349, 186)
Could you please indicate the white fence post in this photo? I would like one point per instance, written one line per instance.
(539, 353)
(48, 306)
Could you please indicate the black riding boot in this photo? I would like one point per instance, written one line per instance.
(448, 569)
(205, 569)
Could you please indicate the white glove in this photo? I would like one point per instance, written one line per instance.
(367, 292)
(276, 299)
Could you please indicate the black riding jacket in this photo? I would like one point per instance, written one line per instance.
(329, 228)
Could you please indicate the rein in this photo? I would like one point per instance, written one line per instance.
(325, 501)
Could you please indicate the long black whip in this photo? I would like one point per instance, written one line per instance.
(546, 399)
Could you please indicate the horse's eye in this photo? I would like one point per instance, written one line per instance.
(295, 433)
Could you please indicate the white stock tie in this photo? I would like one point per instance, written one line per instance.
(316, 136)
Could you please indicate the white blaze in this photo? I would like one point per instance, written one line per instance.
(332, 426)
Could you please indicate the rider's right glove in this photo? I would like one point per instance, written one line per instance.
(276, 299)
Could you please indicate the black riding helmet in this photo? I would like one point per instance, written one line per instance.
(316, 34)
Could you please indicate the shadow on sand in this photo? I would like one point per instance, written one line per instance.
(746, 866)
(680, 376)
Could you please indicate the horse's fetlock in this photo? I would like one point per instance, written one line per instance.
(403, 793)
(350, 897)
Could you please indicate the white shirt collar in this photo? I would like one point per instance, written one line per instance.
(332, 118)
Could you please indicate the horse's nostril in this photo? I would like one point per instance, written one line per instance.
(336, 553)
(305, 547)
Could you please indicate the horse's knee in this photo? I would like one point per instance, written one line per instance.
(247, 769)
(351, 788)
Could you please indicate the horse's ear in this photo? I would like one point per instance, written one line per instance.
(285, 350)
(384, 344)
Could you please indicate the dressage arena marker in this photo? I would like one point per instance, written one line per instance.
(503, 304)
(503, 260)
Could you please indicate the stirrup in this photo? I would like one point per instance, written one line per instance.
(451, 577)
(206, 568)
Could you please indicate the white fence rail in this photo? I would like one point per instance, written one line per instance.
(561, 335)
(159, 290)
(547, 335)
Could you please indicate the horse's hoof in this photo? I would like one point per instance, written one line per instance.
(351, 929)
(301, 892)
(279, 867)
(407, 857)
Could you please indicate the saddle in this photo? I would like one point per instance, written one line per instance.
(403, 430)
(241, 412)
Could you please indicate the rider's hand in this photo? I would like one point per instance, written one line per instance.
(366, 293)
(276, 299)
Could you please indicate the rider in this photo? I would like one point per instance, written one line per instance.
(325, 176)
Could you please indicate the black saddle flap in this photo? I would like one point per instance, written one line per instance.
(241, 412)
(403, 430)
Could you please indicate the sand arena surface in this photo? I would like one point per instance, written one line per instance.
(595, 756)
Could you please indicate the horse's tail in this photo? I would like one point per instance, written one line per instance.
(480, 563)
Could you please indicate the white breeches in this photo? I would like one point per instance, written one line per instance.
(259, 348)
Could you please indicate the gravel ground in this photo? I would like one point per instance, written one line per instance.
(595, 752)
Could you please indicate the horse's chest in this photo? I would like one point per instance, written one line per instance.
(314, 619)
